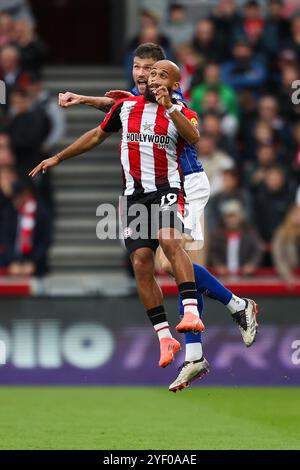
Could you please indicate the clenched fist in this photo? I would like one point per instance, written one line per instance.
(65, 100)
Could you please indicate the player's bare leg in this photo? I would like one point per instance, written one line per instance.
(170, 241)
(195, 365)
(152, 299)
(243, 311)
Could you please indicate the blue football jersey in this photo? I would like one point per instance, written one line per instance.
(189, 162)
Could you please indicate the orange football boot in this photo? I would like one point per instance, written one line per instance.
(190, 322)
(168, 348)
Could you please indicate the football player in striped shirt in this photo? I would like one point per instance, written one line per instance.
(154, 132)
(196, 188)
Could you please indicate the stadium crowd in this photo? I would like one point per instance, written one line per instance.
(31, 123)
(240, 66)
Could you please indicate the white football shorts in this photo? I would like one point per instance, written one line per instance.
(197, 191)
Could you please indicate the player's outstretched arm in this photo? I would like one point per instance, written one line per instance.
(68, 99)
(184, 126)
(118, 94)
(86, 142)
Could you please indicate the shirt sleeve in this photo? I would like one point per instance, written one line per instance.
(112, 121)
(191, 116)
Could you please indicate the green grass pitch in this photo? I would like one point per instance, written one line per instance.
(149, 418)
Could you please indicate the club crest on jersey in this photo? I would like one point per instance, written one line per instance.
(127, 232)
(148, 126)
(162, 141)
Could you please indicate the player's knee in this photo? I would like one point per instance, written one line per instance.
(171, 248)
(166, 266)
(141, 263)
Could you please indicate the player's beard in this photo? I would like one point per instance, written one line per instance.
(149, 96)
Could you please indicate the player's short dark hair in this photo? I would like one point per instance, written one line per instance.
(149, 50)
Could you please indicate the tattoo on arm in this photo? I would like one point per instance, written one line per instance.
(105, 108)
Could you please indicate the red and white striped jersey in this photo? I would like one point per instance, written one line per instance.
(150, 145)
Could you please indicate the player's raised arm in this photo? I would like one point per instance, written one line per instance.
(102, 103)
(86, 142)
(184, 126)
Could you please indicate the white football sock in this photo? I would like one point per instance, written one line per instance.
(236, 304)
(193, 351)
(191, 305)
(163, 330)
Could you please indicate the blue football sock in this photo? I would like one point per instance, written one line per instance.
(207, 284)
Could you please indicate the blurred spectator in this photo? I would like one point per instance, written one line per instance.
(28, 130)
(262, 135)
(213, 104)
(7, 157)
(235, 246)
(266, 156)
(4, 141)
(268, 115)
(293, 42)
(244, 71)
(212, 125)
(188, 61)
(226, 19)
(43, 102)
(215, 162)
(290, 107)
(206, 42)
(252, 26)
(277, 28)
(178, 29)
(8, 176)
(6, 29)
(212, 81)
(286, 58)
(11, 71)
(296, 152)
(268, 111)
(290, 7)
(26, 234)
(148, 32)
(32, 50)
(271, 201)
(231, 189)
(18, 9)
(248, 113)
(286, 246)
